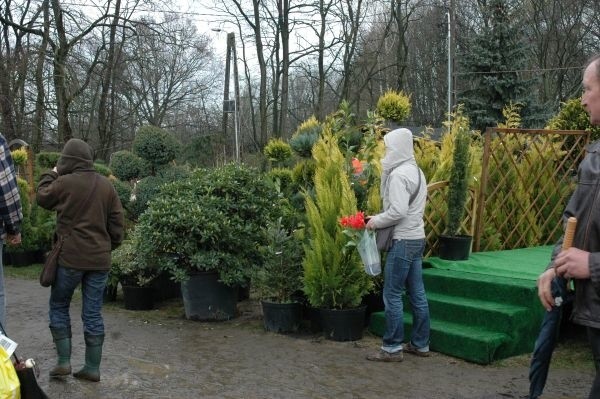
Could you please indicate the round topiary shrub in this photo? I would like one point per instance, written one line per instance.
(19, 156)
(145, 190)
(394, 106)
(284, 177)
(303, 144)
(156, 146)
(304, 172)
(572, 116)
(126, 166)
(149, 187)
(277, 152)
(102, 169)
(309, 126)
(123, 191)
(305, 137)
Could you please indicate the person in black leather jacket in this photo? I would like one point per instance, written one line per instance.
(581, 262)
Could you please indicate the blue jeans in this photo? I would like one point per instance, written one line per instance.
(2, 295)
(404, 270)
(92, 289)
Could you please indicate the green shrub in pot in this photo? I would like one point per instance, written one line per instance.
(212, 220)
(128, 268)
(280, 276)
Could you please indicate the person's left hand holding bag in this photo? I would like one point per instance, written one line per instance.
(369, 223)
(13, 239)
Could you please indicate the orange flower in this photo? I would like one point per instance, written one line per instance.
(357, 166)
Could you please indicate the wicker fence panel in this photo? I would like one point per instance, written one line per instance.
(527, 177)
(435, 214)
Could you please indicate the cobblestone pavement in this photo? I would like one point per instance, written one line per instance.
(159, 354)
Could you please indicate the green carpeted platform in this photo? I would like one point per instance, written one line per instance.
(482, 309)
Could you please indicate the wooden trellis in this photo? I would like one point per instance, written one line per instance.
(526, 180)
(436, 211)
(527, 177)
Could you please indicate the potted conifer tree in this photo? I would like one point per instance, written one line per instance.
(454, 244)
(334, 280)
(280, 278)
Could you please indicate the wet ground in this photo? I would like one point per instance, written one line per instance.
(159, 354)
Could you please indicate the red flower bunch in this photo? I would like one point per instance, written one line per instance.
(356, 221)
(354, 228)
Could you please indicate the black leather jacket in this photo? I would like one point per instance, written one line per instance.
(584, 204)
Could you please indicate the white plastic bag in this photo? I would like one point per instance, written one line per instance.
(367, 248)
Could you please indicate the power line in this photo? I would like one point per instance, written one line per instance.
(517, 70)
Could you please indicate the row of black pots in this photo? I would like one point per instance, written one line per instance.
(335, 324)
(204, 296)
(145, 298)
(23, 258)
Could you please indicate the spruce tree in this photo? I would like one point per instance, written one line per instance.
(491, 63)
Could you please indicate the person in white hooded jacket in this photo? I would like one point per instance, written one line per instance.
(404, 193)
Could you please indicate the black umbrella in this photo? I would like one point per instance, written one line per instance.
(546, 340)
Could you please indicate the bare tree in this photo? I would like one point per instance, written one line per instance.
(40, 104)
(169, 66)
(559, 30)
(105, 114)
(253, 19)
(14, 63)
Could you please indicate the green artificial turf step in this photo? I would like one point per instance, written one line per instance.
(467, 342)
(482, 309)
(481, 286)
(498, 316)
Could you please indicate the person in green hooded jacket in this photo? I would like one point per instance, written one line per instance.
(89, 218)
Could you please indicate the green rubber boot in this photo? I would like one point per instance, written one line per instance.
(62, 341)
(93, 356)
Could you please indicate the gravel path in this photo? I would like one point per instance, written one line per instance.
(159, 354)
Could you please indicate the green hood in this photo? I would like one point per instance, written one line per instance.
(76, 156)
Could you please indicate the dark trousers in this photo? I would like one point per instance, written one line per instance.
(594, 338)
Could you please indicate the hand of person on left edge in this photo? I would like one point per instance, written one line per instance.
(13, 239)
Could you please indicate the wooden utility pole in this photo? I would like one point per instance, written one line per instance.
(228, 105)
(452, 12)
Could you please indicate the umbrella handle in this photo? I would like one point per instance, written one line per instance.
(569, 233)
(567, 242)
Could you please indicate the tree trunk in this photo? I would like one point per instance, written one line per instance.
(38, 119)
(105, 136)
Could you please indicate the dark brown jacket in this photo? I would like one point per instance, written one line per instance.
(99, 227)
(584, 205)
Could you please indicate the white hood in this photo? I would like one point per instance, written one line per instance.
(398, 148)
